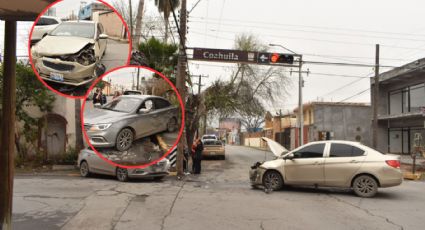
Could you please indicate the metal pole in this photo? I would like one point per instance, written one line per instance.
(300, 103)
(376, 99)
(138, 74)
(181, 80)
(7, 140)
(131, 23)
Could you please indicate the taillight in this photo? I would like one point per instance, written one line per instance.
(393, 163)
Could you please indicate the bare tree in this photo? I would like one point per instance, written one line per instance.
(137, 34)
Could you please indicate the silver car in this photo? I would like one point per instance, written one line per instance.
(70, 54)
(127, 118)
(333, 163)
(90, 163)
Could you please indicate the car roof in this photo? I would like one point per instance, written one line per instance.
(336, 141)
(142, 96)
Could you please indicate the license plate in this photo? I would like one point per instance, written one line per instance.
(56, 76)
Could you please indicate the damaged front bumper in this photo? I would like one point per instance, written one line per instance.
(64, 72)
(256, 174)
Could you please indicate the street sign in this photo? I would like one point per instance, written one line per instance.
(263, 58)
(223, 55)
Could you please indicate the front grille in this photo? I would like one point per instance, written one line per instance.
(58, 66)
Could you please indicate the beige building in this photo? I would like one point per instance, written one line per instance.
(112, 24)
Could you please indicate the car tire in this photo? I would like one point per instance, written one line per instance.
(84, 169)
(272, 180)
(122, 174)
(223, 157)
(158, 178)
(124, 139)
(365, 186)
(171, 125)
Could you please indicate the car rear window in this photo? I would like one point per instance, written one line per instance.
(344, 150)
(212, 142)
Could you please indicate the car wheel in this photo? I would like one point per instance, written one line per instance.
(171, 125)
(158, 178)
(84, 169)
(272, 180)
(122, 174)
(124, 139)
(365, 186)
(223, 157)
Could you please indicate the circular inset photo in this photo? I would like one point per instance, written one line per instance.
(72, 43)
(133, 117)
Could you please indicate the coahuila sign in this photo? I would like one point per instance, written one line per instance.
(224, 55)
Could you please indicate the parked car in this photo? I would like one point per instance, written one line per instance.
(209, 137)
(214, 148)
(333, 163)
(44, 25)
(132, 92)
(127, 118)
(90, 163)
(71, 53)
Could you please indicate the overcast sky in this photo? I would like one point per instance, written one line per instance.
(326, 30)
(125, 76)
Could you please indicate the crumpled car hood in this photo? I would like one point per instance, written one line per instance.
(102, 116)
(61, 45)
(275, 147)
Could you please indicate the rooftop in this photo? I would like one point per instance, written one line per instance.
(403, 73)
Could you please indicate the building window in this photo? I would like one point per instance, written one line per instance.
(409, 99)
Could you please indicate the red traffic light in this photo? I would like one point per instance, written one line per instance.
(281, 58)
(274, 57)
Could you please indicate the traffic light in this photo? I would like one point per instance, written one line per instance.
(281, 58)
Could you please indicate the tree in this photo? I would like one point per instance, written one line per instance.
(30, 92)
(123, 8)
(250, 88)
(139, 16)
(160, 56)
(165, 7)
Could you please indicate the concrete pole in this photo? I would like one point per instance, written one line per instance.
(7, 140)
(376, 99)
(300, 103)
(181, 79)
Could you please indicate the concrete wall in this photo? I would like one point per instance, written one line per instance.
(112, 24)
(346, 122)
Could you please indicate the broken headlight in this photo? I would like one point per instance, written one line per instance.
(256, 165)
(84, 57)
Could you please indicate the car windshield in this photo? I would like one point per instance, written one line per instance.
(85, 30)
(132, 93)
(123, 104)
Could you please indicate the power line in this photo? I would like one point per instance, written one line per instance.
(355, 95)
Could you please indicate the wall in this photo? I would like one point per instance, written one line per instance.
(112, 24)
(346, 122)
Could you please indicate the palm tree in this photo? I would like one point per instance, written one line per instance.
(138, 31)
(165, 7)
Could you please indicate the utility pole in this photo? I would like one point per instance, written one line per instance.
(181, 79)
(131, 22)
(7, 135)
(138, 32)
(300, 102)
(138, 74)
(376, 99)
(199, 93)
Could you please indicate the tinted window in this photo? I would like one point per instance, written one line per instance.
(46, 22)
(343, 150)
(160, 103)
(311, 151)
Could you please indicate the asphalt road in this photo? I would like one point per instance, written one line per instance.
(219, 198)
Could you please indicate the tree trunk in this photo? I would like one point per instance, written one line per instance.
(138, 32)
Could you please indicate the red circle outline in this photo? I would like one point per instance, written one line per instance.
(143, 165)
(30, 55)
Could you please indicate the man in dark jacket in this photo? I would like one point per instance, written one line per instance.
(198, 157)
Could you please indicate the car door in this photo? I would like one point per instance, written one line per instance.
(144, 123)
(98, 165)
(342, 162)
(163, 113)
(307, 166)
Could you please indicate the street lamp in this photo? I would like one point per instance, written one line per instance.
(300, 94)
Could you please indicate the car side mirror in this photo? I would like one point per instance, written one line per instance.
(98, 105)
(289, 157)
(103, 36)
(144, 111)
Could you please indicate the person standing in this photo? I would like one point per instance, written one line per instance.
(96, 96)
(198, 156)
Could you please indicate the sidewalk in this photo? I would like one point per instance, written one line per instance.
(407, 160)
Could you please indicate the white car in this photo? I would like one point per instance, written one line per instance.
(209, 137)
(343, 164)
(71, 53)
(44, 25)
(90, 163)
